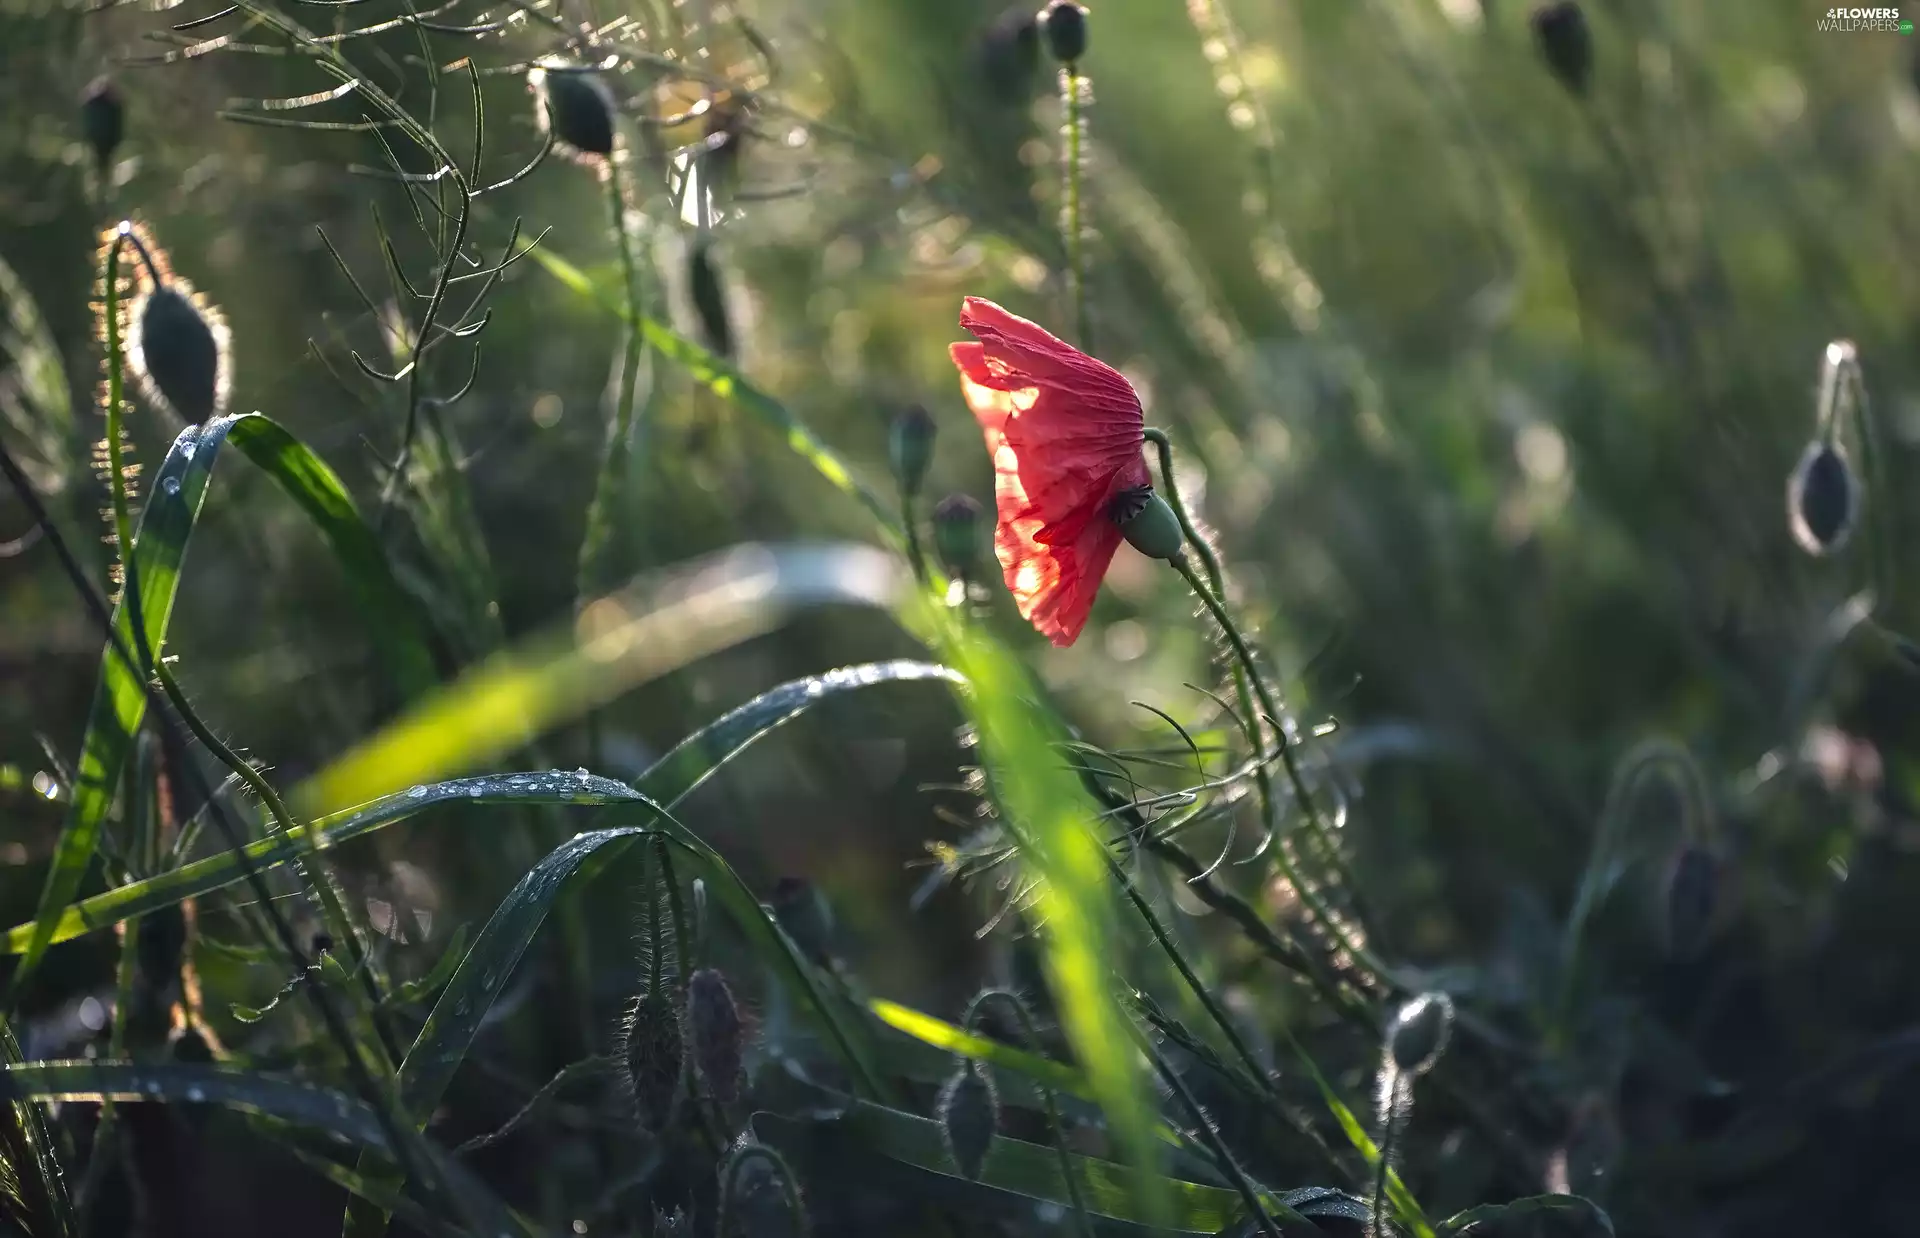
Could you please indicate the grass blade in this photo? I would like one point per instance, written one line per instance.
(713, 373)
(120, 701)
(33, 1194)
(398, 627)
(618, 643)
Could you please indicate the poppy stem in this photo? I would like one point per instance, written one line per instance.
(1247, 673)
(1071, 85)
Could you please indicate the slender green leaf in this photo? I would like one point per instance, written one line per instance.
(344, 1118)
(219, 871)
(943, 1035)
(713, 373)
(120, 701)
(617, 643)
(1013, 1167)
(398, 627)
(1404, 1204)
(36, 404)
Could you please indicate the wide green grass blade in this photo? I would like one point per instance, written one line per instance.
(713, 373)
(216, 872)
(178, 492)
(690, 763)
(618, 643)
(1055, 823)
(120, 701)
(344, 1118)
(395, 621)
(1030, 1171)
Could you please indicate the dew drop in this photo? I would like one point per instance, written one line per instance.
(153, 1087)
(196, 1093)
(414, 793)
(171, 485)
(581, 772)
(186, 451)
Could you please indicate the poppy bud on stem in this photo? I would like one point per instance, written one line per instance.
(1023, 1017)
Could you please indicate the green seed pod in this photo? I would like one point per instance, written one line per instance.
(969, 1110)
(1418, 1034)
(959, 534)
(1148, 523)
(655, 1058)
(103, 120)
(1566, 43)
(177, 345)
(1692, 896)
(716, 1032)
(1065, 26)
(576, 107)
(910, 448)
(709, 297)
(1823, 499)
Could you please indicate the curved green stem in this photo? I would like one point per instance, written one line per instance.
(1211, 1137)
(729, 1183)
(603, 515)
(1031, 1034)
(1247, 675)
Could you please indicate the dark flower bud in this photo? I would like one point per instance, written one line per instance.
(1566, 43)
(1692, 894)
(178, 349)
(190, 1045)
(709, 297)
(805, 916)
(103, 120)
(654, 1058)
(959, 534)
(322, 942)
(716, 1032)
(1418, 1034)
(576, 107)
(1009, 53)
(759, 1196)
(969, 1110)
(910, 448)
(1065, 25)
(1823, 499)
(1148, 523)
(160, 941)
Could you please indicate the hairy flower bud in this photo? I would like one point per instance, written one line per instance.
(969, 1110)
(1823, 499)
(654, 1057)
(1566, 43)
(959, 534)
(910, 447)
(103, 120)
(576, 107)
(715, 1029)
(1065, 26)
(1418, 1034)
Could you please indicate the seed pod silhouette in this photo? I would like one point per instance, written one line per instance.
(103, 120)
(709, 297)
(716, 1032)
(969, 1111)
(1064, 24)
(576, 107)
(910, 440)
(1823, 499)
(1566, 43)
(1418, 1034)
(958, 534)
(177, 342)
(1009, 54)
(1692, 897)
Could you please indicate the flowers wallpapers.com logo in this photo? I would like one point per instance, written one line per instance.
(1868, 21)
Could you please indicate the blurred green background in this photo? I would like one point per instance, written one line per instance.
(1490, 391)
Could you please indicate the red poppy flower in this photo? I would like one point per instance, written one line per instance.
(1064, 431)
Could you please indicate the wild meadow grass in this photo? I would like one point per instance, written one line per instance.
(883, 619)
